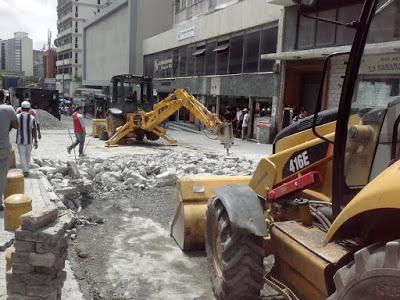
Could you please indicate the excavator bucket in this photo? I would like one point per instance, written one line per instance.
(188, 225)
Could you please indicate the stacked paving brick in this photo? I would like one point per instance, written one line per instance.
(41, 245)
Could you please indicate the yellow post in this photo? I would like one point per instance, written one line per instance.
(14, 183)
(12, 160)
(14, 207)
(8, 254)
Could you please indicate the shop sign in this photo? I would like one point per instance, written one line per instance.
(186, 33)
(381, 64)
(162, 64)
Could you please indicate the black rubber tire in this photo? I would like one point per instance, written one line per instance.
(139, 135)
(374, 274)
(151, 136)
(235, 259)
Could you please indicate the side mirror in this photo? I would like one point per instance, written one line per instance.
(306, 3)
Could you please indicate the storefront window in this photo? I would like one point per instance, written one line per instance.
(200, 55)
(326, 31)
(175, 63)
(190, 60)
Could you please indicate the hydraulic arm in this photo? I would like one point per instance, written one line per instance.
(151, 121)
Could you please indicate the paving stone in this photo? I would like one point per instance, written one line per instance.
(42, 260)
(41, 290)
(22, 246)
(38, 218)
(22, 268)
(20, 257)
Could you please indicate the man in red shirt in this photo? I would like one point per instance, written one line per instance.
(79, 129)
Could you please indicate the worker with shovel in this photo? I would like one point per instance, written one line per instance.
(79, 129)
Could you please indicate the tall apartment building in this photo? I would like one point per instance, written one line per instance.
(71, 16)
(17, 54)
(214, 50)
(49, 63)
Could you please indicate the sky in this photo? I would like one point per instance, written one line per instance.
(35, 17)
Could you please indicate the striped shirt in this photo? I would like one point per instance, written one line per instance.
(24, 133)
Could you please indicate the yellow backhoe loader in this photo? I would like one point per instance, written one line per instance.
(133, 113)
(326, 203)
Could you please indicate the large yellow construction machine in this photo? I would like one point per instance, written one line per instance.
(326, 203)
(133, 113)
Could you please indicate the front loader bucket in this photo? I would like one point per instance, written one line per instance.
(188, 225)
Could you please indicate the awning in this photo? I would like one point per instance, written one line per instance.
(378, 48)
(222, 47)
(199, 52)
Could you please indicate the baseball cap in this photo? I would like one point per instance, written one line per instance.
(25, 104)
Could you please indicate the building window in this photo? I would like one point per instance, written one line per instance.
(175, 63)
(190, 60)
(222, 51)
(210, 58)
(269, 40)
(326, 32)
(180, 5)
(306, 32)
(236, 55)
(182, 62)
(200, 55)
(252, 52)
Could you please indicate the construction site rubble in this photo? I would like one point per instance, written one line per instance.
(39, 258)
(72, 180)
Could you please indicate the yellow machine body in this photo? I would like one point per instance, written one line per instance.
(151, 121)
(15, 183)
(14, 207)
(380, 194)
(188, 225)
(96, 123)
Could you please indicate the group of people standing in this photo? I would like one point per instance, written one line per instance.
(240, 119)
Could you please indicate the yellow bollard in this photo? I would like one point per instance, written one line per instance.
(13, 163)
(14, 207)
(15, 183)
(8, 254)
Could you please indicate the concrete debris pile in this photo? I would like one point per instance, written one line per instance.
(41, 246)
(71, 180)
(66, 181)
(47, 120)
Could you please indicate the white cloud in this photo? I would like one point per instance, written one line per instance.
(32, 16)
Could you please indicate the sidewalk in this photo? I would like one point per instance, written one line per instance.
(35, 189)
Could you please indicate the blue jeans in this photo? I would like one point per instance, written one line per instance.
(80, 140)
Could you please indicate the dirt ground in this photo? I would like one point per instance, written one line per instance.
(131, 255)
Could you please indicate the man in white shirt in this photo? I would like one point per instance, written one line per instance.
(245, 124)
(8, 121)
(26, 136)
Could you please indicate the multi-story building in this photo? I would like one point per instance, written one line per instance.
(49, 63)
(307, 42)
(38, 70)
(113, 39)
(17, 54)
(71, 16)
(2, 58)
(214, 50)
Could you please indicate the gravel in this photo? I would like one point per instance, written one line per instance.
(47, 120)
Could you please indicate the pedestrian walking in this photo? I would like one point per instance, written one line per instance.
(245, 123)
(8, 121)
(239, 121)
(80, 131)
(34, 114)
(26, 136)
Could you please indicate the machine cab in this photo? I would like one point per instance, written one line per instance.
(130, 93)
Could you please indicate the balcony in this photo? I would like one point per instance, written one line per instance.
(64, 62)
(64, 18)
(64, 48)
(64, 33)
(64, 77)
